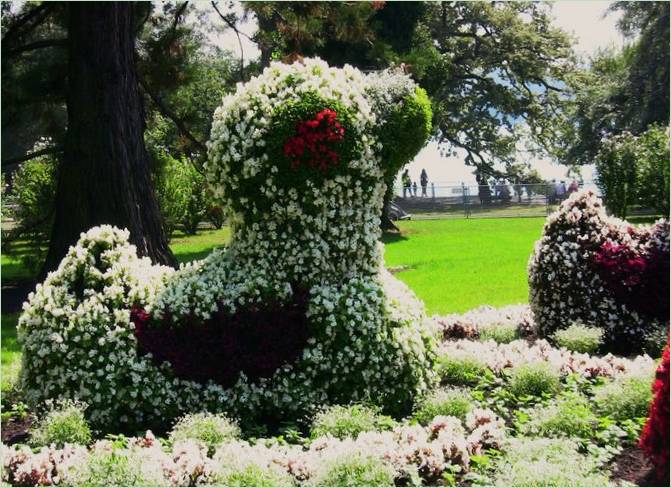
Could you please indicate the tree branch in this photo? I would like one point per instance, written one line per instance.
(35, 45)
(165, 110)
(237, 33)
(27, 157)
(38, 14)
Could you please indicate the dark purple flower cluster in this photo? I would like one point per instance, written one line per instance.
(637, 276)
(255, 341)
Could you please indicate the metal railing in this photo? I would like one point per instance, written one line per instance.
(470, 201)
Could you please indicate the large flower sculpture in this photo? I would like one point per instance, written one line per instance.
(297, 311)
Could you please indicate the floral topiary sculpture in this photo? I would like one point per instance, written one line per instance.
(297, 311)
(599, 270)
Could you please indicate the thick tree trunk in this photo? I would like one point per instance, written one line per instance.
(105, 178)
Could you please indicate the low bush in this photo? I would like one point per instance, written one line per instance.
(534, 379)
(624, 398)
(449, 402)
(570, 416)
(579, 338)
(500, 333)
(546, 462)
(461, 370)
(349, 421)
(115, 467)
(64, 422)
(254, 475)
(355, 470)
(210, 429)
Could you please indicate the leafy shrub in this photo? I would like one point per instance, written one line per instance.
(461, 370)
(254, 475)
(569, 416)
(586, 257)
(349, 421)
(451, 402)
(579, 338)
(115, 467)
(546, 462)
(33, 195)
(652, 171)
(655, 341)
(655, 436)
(354, 470)
(210, 429)
(63, 423)
(499, 333)
(625, 398)
(180, 190)
(534, 379)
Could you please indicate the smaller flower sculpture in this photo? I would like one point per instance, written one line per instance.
(602, 271)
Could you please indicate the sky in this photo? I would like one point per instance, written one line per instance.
(584, 19)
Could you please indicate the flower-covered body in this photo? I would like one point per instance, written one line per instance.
(599, 270)
(304, 264)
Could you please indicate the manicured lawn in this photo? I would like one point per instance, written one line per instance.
(456, 265)
(187, 248)
(11, 351)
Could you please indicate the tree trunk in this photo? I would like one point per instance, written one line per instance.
(104, 177)
(386, 224)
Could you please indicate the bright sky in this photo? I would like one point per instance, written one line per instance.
(583, 18)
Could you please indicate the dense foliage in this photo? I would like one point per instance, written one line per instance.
(584, 258)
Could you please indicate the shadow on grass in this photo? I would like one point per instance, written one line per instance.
(388, 237)
(185, 257)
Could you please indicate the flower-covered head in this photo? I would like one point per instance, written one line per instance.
(280, 137)
(300, 155)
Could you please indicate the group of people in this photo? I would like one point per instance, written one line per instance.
(559, 191)
(410, 187)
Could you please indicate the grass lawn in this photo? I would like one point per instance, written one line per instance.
(456, 265)
(11, 351)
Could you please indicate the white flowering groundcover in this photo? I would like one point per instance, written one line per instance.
(295, 157)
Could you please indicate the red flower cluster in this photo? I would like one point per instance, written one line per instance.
(311, 143)
(655, 437)
(256, 341)
(638, 278)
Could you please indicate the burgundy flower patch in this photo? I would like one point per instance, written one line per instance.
(256, 341)
(638, 279)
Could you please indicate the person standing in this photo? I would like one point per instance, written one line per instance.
(414, 189)
(407, 183)
(424, 181)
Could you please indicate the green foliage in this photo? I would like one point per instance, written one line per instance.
(654, 342)
(33, 196)
(349, 421)
(254, 475)
(116, 467)
(652, 169)
(500, 333)
(546, 462)
(63, 423)
(461, 371)
(579, 338)
(355, 470)
(180, 190)
(405, 131)
(624, 399)
(570, 416)
(210, 429)
(616, 173)
(449, 402)
(534, 379)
